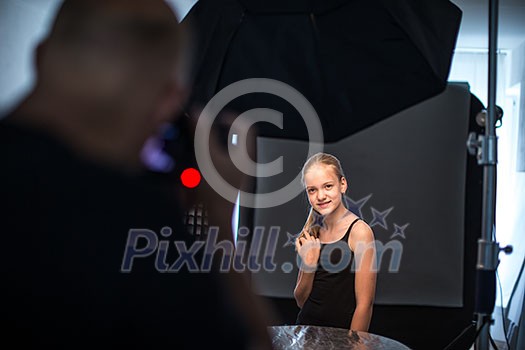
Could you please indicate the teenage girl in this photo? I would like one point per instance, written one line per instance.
(337, 277)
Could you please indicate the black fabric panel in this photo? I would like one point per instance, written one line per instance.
(357, 62)
(213, 24)
(291, 6)
(277, 48)
(432, 25)
(372, 69)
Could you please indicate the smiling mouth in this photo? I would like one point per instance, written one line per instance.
(323, 205)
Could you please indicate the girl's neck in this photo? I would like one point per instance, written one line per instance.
(334, 218)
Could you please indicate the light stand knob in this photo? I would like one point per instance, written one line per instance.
(473, 143)
(507, 249)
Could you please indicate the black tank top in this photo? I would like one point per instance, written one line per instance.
(331, 302)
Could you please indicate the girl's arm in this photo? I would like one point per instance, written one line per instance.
(308, 249)
(303, 287)
(363, 245)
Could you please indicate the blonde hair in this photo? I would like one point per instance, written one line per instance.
(311, 226)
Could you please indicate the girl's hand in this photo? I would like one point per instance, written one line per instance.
(309, 249)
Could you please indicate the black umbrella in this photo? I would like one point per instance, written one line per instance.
(356, 61)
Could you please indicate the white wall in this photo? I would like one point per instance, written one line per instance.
(22, 25)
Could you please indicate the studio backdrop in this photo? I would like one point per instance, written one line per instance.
(406, 178)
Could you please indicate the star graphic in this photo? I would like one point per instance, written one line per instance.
(399, 231)
(356, 206)
(379, 217)
(291, 239)
(318, 219)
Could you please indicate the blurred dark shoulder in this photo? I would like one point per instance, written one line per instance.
(36, 163)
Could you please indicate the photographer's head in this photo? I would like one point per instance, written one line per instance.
(108, 75)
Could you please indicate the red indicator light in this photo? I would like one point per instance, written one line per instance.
(190, 177)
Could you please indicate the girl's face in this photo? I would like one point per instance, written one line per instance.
(324, 188)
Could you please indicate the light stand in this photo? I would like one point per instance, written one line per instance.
(486, 149)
